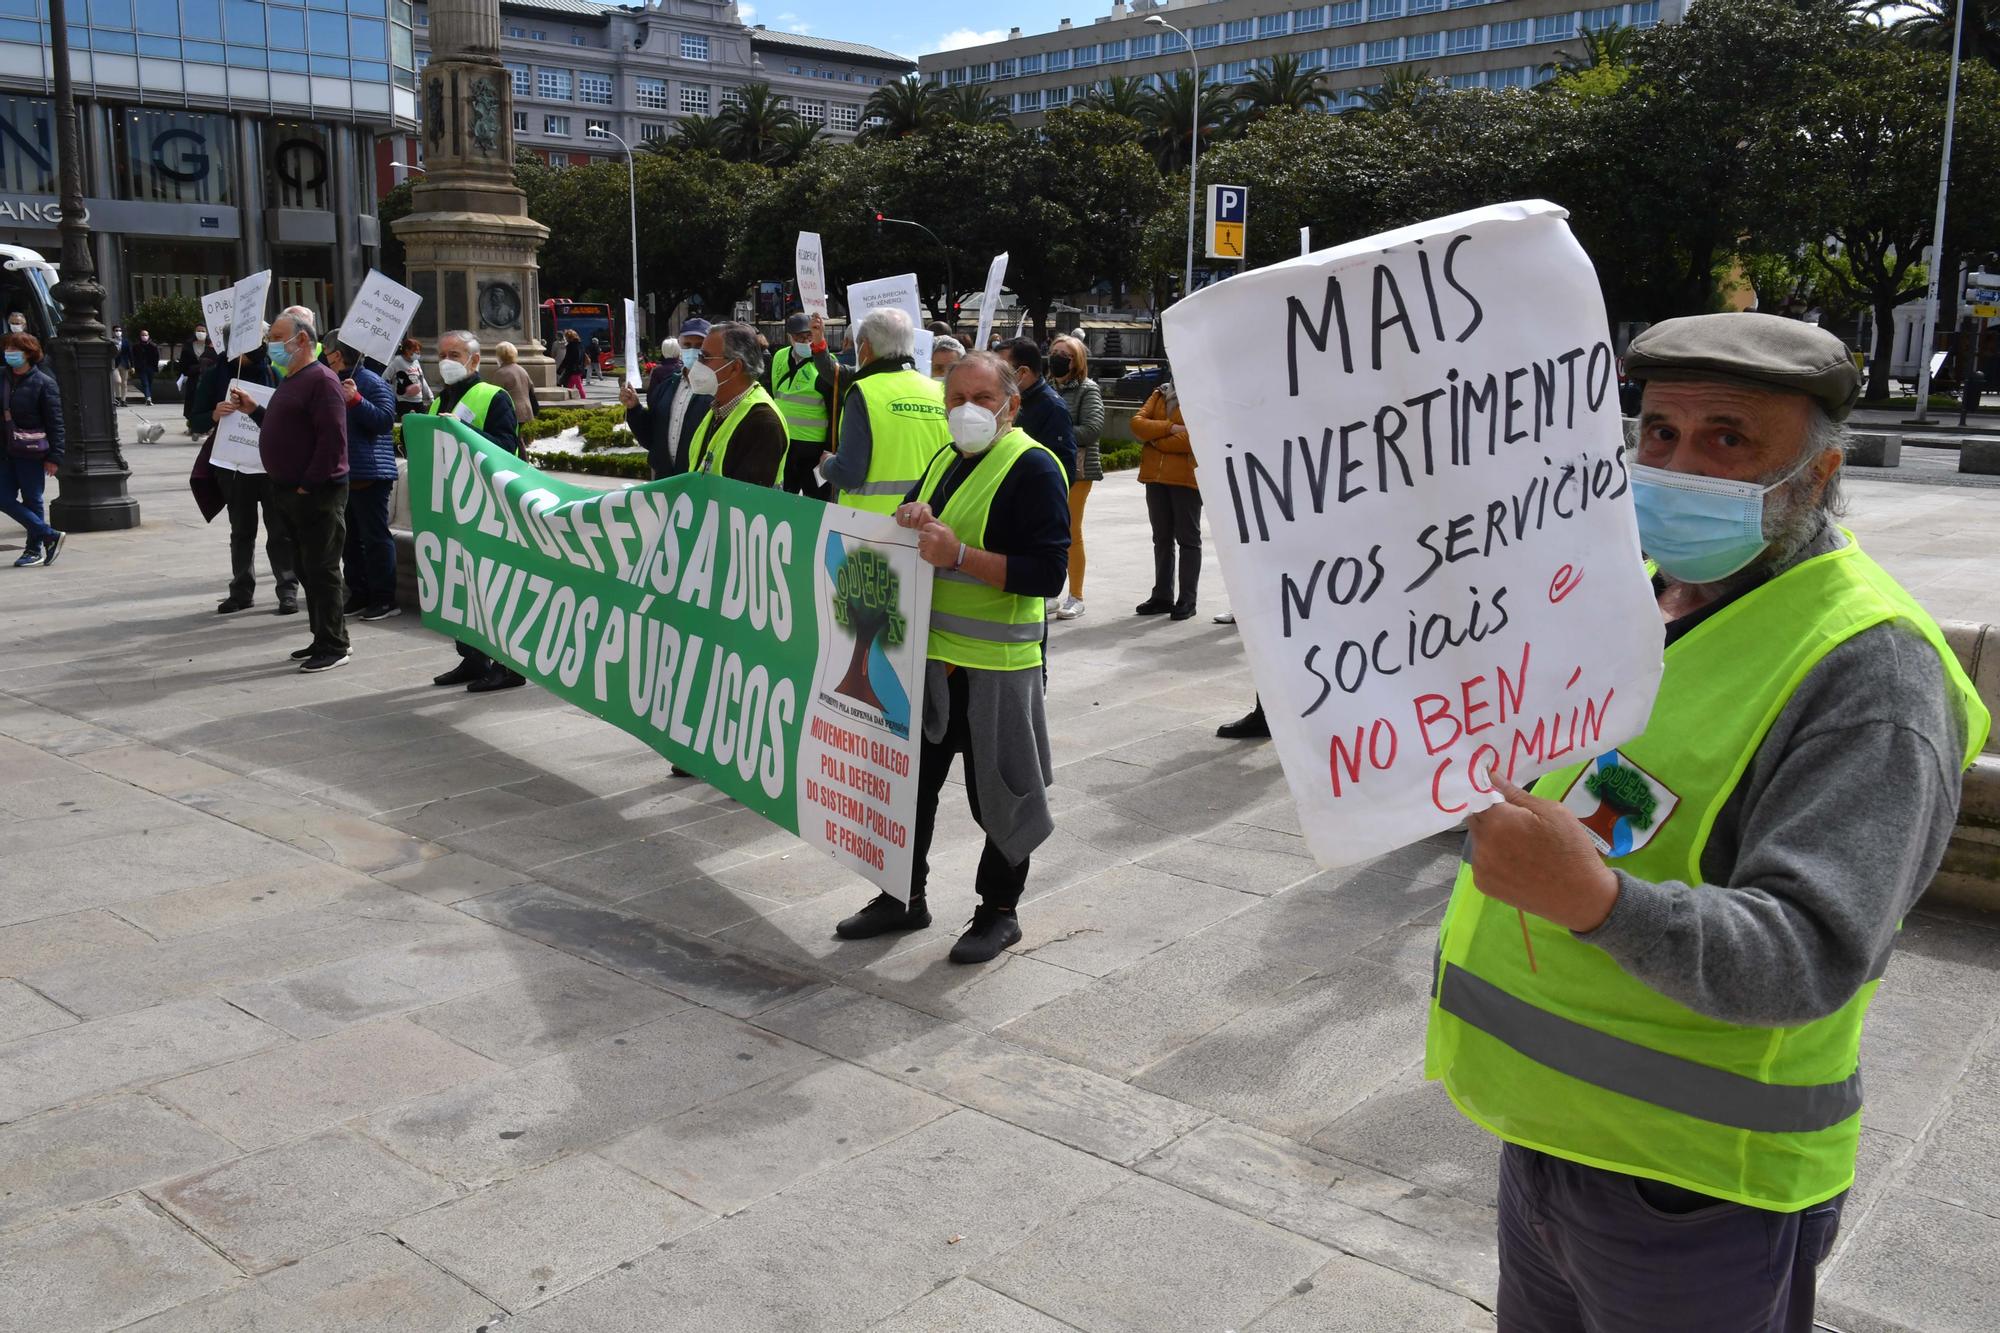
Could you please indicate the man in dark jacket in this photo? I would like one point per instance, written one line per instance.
(486, 408)
(246, 495)
(804, 382)
(302, 438)
(665, 423)
(145, 363)
(197, 358)
(370, 557)
(1043, 414)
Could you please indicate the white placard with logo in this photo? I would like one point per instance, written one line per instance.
(379, 317)
(810, 261)
(246, 313)
(236, 434)
(1413, 455)
(989, 303)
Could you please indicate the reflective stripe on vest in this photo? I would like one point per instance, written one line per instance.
(711, 443)
(478, 399)
(972, 624)
(1582, 1060)
(905, 429)
(795, 386)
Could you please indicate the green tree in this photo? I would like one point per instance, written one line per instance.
(900, 109)
(752, 123)
(1171, 115)
(1401, 89)
(1626, 791)
(1121, 95)
(1281, 84)
(1607, 49)
(1927, 25)
(867, 603)
(972, 105)
(794, 142)
(699, 134)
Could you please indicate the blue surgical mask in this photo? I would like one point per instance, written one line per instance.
(1701, 529)
(16, 358)
(277, 354)
(690, 355)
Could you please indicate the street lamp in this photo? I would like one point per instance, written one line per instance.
(93, 473)
(632, 191)
(950, 287)
(407, 167)
(1194, 144)
(1938, 260)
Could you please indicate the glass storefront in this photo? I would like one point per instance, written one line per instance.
(303, 275)
(27, 146)
(298, 164)
(159, 268)
(181, 157)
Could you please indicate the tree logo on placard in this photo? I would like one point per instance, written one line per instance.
(1622, 805)
(867, 602)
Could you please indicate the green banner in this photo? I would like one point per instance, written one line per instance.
(769, 643)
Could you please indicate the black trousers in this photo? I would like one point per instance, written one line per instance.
(1583, 1249)
(318, 523)
(370, 557)
(245, 494)
(1175, 512)
(999, 883)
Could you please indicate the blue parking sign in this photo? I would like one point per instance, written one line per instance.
(1228, 215)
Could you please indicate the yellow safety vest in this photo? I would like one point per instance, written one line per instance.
(473, 407)
(973, 625)
(906, 428)
(1580, 1059)
(795, 386)
(711, 445)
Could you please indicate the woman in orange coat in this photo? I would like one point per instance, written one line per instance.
(1173, 503)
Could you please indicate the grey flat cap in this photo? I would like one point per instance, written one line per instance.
(1763, 351)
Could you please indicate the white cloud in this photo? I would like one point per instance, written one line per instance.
(960, 38)
(791, 22)
(747, 13)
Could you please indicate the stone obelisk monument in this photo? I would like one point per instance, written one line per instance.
(470, 244)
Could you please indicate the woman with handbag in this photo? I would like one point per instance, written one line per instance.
(31, 408)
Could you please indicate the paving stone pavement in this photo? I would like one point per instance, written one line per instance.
(341, 1002)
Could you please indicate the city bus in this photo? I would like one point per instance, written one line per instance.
(590, 319)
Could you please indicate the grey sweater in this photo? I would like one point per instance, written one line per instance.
(1831, 835)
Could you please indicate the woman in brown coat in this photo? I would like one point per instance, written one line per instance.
(1173, 503)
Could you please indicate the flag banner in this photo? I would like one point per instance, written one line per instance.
(1412, 448)
(770, 644)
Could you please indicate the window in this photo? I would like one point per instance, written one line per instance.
(558, 159)
(1476, 79)
(521, 79)
(1383, 52)
(423, 59)
(1344, 12)
(590, 125)
(594, 89)
(1514, 32)
(844, 115)
(1056, 97)
(1347, 57)
(520, 122)
(1542, 74)
(1552, 27)
(1312, 60)
(1508, 78)
(1208, 34)
(537, 35)
(650, 93)
(1112, 52)
(1241, 30)
(1238, 71)
(1083, 57)
(1597, 20)
(1646, 15)
(651, 131)
(980, 73)
(576, 39)
(1423, 46)
(812, 113)
(1274, 25)
(522, 33)
(1460, 41)
(556, 125)
(1056, 61)
(552, 84)
(694, 46)
(1309, 20)
(732, 97)
(1029, 101)
(1466, 4)
(1384, 9)
(955, 77)
(1141, 47)
(424, 19)
(1007, 68)
(1423, 6)
(694, 101)
(1033, 65)
(1171, 44)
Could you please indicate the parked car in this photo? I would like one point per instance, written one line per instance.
(1138, 385)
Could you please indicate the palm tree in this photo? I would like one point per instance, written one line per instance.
(751, 124)
(701, 134)
(972, 105)
(1607, 48)
(900, 109)
(1170, 114)
(1927, 25)
(793, 143)
(1282, 85)
(1121, 95)
(1401, 90)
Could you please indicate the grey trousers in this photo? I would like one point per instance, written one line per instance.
(1589, 1251)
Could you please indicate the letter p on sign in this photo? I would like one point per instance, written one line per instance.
(1228, 212)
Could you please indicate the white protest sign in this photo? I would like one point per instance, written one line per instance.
(990, 301)
(811, 265)
(1413, 449)
(1305, 240)
(632, 343)
(246, 313)
(899, 291)
(216, 309)
(921, 347)
(236, 435)
(379, 317)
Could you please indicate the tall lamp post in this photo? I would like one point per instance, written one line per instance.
(1938, 260)
(632, 193)
(93, 475)
(407, 168)
(1194, 145)
(950, 287)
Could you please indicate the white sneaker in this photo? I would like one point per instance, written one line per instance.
(1070, 609)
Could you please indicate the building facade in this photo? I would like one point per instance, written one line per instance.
(1356, 43)
(220, 137)
(636, 71)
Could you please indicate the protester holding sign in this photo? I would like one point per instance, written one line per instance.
(741, 436)
(486, 408)
(1173, 503)
(891, 420)
(246, 497)
(993, 515)
(369, 559)
(802, 378)
(1673, 1061)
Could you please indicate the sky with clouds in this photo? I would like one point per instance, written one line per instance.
(916, 27)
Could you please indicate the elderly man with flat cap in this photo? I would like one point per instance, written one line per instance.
(1674, 1069)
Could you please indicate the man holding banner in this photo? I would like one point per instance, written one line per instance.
(993, 514)
(741, 437)
(892, 420)
(1674, 1067)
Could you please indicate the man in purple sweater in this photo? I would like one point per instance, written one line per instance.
(302, 437)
